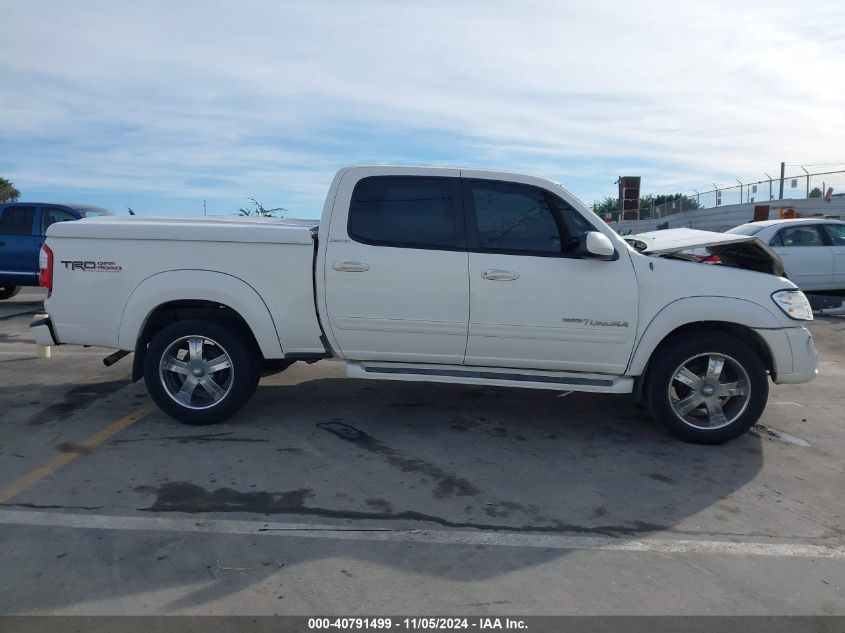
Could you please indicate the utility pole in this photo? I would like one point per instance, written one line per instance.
(203, 207)
(770, 185)
(782, 171)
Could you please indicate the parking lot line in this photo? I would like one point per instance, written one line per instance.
(36, 475)
(444, 537)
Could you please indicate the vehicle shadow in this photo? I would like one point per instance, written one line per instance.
(382, 455)
(537, 459)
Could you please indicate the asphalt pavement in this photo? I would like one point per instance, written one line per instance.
(333, 496)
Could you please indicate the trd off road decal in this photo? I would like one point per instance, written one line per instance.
(91, 266)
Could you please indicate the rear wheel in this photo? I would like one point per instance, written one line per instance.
(707, 390)
(7, 292)
(200, 372)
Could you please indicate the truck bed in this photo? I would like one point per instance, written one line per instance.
(109, 271)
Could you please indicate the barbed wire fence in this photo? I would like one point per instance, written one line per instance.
(800, 185)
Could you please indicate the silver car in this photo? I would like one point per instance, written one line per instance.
(812, 249)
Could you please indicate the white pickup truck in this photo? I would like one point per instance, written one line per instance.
(433, 274)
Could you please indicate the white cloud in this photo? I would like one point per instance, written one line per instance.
(258, 96)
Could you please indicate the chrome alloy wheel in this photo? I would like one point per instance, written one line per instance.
(709, 391)
(196, 372)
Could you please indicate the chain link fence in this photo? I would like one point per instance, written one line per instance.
(797, 186)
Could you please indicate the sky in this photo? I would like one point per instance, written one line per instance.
(161, 105)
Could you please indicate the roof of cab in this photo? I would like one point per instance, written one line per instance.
(70, 205)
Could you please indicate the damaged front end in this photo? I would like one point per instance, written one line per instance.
(734, 251)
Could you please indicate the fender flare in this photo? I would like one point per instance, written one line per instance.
(689, 310)
(199, 285)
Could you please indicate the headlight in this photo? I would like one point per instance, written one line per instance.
(794, 303)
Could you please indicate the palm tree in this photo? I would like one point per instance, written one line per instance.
(8, 192)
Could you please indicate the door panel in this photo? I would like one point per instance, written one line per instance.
(18, 244)
(396, 276)
(807, 259)
(560, 314)
(534, 302)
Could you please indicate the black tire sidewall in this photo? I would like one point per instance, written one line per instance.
(7, 292)
(676, 352)
(244, 361)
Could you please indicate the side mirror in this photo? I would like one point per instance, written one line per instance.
(597, 245)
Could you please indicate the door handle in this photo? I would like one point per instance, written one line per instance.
(499, 275)
(351, 267)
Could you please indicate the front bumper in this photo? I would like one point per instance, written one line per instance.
(794, 354)
(42, 330)
(805, 358)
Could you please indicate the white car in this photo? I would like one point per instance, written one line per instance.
(439, 275)
(812, 249)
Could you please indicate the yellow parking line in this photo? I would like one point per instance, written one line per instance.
(36, 475)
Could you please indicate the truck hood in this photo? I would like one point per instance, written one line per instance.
(205, 228)
(735, 251)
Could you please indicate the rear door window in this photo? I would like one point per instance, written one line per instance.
(407, 211)
(17, 220)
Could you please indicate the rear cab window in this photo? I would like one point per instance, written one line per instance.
(92, 212)
(407, 211)
(53, 215)
(17, 220)
(745, 229)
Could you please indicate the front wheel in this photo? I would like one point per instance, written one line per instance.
(200, 372)
(7, 292)
(709, 389)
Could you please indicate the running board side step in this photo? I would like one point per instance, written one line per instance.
(491, 376)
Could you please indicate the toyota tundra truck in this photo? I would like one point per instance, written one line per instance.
(434, 274)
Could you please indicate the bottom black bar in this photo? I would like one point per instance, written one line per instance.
(534, 624)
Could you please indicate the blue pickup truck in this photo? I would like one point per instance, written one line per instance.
(22, 229)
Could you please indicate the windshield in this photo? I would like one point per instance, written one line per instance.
(746, 229)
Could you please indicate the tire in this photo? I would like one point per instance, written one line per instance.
(184, 382)
(684, 374)
(7, 292)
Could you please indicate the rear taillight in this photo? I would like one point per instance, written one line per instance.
(709, 259)
(45, 265)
